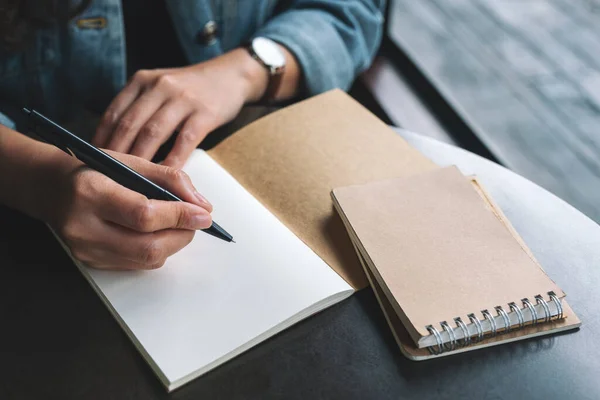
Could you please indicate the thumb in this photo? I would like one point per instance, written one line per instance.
(174, 180)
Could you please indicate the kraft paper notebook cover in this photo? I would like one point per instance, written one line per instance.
(446, 265)
(269, 184)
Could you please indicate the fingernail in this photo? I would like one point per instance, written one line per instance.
(201, 221)
(202, 199)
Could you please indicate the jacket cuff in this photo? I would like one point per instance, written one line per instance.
(311, 37)
(4, 120)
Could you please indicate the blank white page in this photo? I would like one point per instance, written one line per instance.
(214, 299)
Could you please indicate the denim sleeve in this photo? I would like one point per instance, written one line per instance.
(4, 120)
(333, 40)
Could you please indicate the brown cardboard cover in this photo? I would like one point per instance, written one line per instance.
(438, 248)
(410, 350)
(291, 160)
(403, 338)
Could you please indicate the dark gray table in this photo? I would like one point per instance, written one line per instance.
(57, 340)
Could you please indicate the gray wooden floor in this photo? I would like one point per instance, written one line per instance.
(399, 101)
(525, 75)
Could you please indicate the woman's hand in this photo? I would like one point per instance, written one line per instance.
(110, 227)
(195, 99)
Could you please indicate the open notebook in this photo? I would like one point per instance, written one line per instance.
(213, 300)
(449, 270)
(269, 184)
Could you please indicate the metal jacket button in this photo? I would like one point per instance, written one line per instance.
(208, 35)
(92, 23)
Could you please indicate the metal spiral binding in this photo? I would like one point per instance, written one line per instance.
(556, 301)
(517, 310)
(438, 338)
(450, 331)
(540, 300)
(495, 329)
(465, 330)
(531, 308)
(504, 315)
(488, 316)
(474, 319)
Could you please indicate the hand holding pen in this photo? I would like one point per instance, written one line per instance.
(120, 216)
(108, 226)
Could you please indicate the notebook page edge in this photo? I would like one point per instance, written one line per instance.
(307, 313)
(366, 262)
(176, 384)
(497, 210)
(140, 348)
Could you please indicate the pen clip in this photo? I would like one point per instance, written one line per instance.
(53, 141)
(47, 136)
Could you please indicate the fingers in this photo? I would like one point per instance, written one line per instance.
(110, 226)
(159, 128)
(100, 259)
(193, 132)
(143, 215)
(133, 119)
(172, 179)
(146, 113)
(114, 247)
(134, 211)
(117, 108)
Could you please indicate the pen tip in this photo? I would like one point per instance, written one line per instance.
(233, 241)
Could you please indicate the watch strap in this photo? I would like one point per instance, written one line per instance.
(275, 77)
(272, 87)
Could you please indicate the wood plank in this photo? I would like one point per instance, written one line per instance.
(401, 104)
(510, 70)
(585, 143)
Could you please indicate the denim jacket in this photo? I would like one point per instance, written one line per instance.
(81, 66)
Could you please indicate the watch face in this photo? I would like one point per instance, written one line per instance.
(269, 52)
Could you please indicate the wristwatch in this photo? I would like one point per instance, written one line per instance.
(268, 53)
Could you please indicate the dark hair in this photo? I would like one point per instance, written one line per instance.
(19, 19)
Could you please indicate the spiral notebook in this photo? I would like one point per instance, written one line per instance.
(449, 270)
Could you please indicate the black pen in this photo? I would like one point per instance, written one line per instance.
(96, 159)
